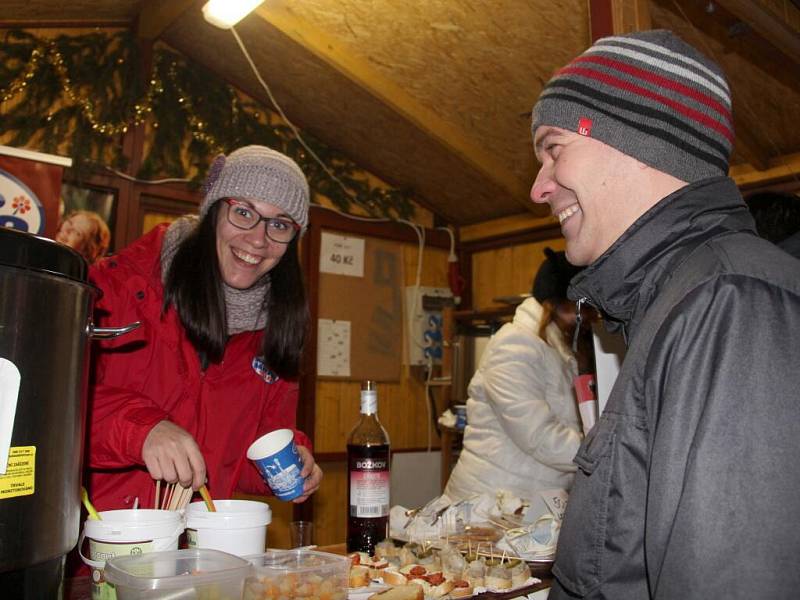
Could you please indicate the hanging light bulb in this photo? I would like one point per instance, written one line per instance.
(226, 13)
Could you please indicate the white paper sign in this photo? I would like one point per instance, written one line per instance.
(333, 348)
(341, 255)
(556, 501)
(9, 390)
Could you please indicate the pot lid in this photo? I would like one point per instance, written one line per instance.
(28, 251)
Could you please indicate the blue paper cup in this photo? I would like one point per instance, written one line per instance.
(276, 458)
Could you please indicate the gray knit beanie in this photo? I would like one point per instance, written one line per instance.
(258, 173)
(651, 96)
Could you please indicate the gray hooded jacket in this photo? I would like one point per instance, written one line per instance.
(689, 486)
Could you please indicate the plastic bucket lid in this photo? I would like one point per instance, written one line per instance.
(134, 525)
(231, 514)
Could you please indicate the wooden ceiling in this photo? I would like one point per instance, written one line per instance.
(437, 95)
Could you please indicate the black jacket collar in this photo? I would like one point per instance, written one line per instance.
(624, 280)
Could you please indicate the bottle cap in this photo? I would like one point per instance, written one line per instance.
(369, 397)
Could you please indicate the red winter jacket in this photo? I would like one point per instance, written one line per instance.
(153, 374)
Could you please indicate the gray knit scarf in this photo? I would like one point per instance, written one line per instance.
(246, 310)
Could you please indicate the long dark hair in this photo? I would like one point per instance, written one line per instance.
(193, 285)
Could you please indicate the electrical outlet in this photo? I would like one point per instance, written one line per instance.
(424, 325)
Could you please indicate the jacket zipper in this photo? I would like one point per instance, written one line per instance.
(578, 320)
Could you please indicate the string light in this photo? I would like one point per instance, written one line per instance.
(196, 125)
(140, 110)
(24, 77)
(45, 66)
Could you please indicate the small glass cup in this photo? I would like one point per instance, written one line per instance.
(301, 533)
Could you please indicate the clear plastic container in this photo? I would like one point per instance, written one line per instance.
(197, 574)
(293, 574)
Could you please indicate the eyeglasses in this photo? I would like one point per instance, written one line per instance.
(244, 216)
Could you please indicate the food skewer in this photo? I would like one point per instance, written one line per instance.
(167, 500)
(89, 507)
(207, 499)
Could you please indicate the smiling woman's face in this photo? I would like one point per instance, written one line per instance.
(245, 255)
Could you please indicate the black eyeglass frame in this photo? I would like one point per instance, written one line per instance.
(233, 202)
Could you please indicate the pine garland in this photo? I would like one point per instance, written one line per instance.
(88, 90)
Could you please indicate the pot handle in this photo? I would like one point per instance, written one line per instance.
(105, 333)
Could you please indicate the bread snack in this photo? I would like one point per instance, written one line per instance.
(461, 589)
(392, 576)
(376, 567)
(359, 558)
(408, 554)
(429, 559)
(453, 563)
(439, 586)
(497, 576)
(413, 570)
(437, 574)
(386, 549)
(408, 591)
(475, 573)
(359, 576)
(520, 571)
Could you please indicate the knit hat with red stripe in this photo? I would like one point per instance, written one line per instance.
(651, 96)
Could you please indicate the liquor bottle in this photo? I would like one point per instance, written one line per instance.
(368, 463)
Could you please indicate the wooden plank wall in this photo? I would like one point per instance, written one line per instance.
(507, 270)
(401, 408)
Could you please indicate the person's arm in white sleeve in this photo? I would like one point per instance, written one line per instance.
(515, 381)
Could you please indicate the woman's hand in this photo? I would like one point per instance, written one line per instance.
(170, 453)
(311, 472)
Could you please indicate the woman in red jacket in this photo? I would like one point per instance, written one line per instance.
(213, 366)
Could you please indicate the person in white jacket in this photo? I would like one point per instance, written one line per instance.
(523, 428)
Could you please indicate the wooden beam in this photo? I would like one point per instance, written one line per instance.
(631, 15)
(64, 23)
(360, 72)
(778, 169)
(504, 226)
(769, 26)
(750, 147)
(156, 16)
(614, 17)
(717, 25)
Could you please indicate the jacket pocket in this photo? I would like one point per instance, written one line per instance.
(581, 542)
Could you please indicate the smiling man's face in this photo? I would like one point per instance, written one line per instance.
(590, 187)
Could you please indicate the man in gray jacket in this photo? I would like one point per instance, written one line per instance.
(688, 486)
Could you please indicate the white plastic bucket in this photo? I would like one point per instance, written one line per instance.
(126, 532)
(238, 526)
